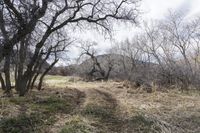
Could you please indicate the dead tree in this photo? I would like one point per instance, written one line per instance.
(182, 35)
(97, 66)
(131, 56)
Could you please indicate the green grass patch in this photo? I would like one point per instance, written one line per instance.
(54, 105)
(98, 111)
(141, 124)
(50, 104)
(33, 123)
(195, 119)
(21, 100)
(77, 124)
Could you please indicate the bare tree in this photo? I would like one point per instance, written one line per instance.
(172, 42)
(18, 19)
(170, 50)
(181, 35)
(44, 19)
(100, 70)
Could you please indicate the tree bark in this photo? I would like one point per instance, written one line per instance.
(7, 75)
(44, 74)
(34, 80)
(2, 83)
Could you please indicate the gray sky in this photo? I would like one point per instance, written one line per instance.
(152, 9)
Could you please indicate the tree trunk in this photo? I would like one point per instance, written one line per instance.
(7, 75)
(34, 80)
(108, 73)
(2, 83)
(44, 74)
(22, 86)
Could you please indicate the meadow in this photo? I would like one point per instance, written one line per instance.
(72, 105)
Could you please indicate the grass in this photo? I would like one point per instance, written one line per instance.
(36, 112)
(25, 123)
(98, 112)
(56, 81)
(49, 104)
(54, 105)
(69, 105)
(21, 100)
(141, 124)
(77, 124)
(195, 119)
(137, 123)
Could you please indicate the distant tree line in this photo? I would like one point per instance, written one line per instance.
(166, 53)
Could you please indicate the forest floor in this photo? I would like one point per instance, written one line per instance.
(70, 105)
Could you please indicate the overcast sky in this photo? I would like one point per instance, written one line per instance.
(152, 9)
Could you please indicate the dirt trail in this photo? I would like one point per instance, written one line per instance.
(78, 98)
(115, 107)
(174, 111)
(100, 97)
(106, 107)
(89, 100)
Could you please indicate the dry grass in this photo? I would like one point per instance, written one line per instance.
(110, 107)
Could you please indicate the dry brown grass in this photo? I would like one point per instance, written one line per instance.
(170, 108)
(118, 107)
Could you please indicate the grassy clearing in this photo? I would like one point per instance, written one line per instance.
(69, 105)
(61, 82)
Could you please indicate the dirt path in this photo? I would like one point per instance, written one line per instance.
(113, 108)
(102, 107)
(79, 99)
(173, 111)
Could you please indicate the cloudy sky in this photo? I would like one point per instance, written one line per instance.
(157, 9)
(152, 9)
